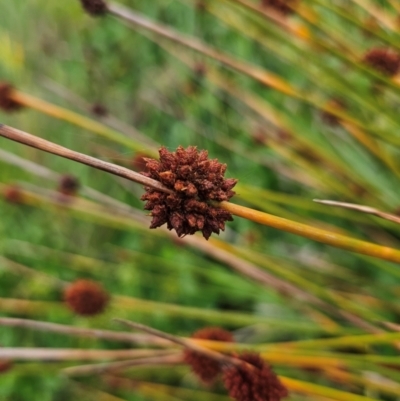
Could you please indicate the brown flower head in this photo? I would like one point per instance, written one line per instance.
(7, 103)
(86, 297)
(99, 110)
(5, 365)
(258, 384)
(95, 7)
(281, 6)
(68, 185)
(384, 60)
(195, 180)
(13, 194)
(201, 5)
(206, 368)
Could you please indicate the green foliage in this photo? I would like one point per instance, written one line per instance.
(279, 146)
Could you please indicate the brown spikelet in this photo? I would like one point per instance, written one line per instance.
(206, 368)
(99, 110)
(68, 185)
(6, 102)
(384, 60)
(95, 7)
(259, 383)
(5, 366)
(86, 297)
(13, 194)
(281, 6)
(195, 180)
(201, 5)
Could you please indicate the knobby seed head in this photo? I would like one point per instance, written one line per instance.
(68, 185)
(5, 366)
(281, 6)
(258, 384)
(99, 110)
(86, 297)
(384, 60)
(195, 180)
(95, 7)
(6, 101)
(13, 194)
(206, 368)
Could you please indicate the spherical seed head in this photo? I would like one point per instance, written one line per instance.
(258, 384)
(86, 297)
(68, 185)
(13, 194)
(5, 366)
(206, 368)
(384, 60)
(195, 180)
(99, 110)
(281, 6)
(95, 7)
(6, 101)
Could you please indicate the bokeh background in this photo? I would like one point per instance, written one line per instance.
(269, 122)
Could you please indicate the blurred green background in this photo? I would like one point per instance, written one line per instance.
(280, 147)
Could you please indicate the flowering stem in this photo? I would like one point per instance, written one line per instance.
(316, 234)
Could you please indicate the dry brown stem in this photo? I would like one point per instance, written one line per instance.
(50, 147)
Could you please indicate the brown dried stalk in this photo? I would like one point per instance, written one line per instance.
(163, 357)
(361, 208)
(71, 354)
(221, 358)
(130, 338)
(50, 147)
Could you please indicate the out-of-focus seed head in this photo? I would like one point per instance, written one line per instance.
(68, 185)
(384, 60)
(7, 103)
(281, 6)
(206, 368)
(86, 297)
(13, 194)
(5, 366)
(201, 5)
(195, 180)
(99, 110)
(253, 383)
(95, 7)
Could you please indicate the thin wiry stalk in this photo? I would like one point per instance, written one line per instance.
(50, 147)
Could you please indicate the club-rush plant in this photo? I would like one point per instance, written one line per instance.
(232, 116)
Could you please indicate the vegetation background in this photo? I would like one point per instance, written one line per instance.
(270, 120)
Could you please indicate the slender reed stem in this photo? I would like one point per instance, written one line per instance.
(223, 359)
(316, 234)
(50, 147)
